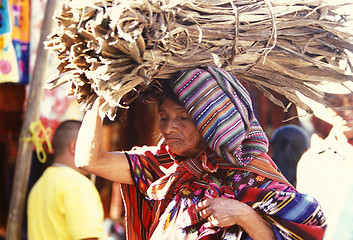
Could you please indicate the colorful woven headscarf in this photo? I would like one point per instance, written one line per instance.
(222, 110)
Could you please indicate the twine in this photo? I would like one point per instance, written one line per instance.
(39, 135)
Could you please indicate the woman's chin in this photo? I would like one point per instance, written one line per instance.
(174, 149)
(178, 151)
(184, 150)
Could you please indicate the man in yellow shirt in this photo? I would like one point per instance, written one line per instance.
(64, 204)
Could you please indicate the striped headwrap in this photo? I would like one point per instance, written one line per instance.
(222, 110)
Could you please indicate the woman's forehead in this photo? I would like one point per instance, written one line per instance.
(169, 104)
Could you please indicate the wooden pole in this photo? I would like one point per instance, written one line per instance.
(24, 154)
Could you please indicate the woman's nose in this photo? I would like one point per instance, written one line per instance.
(347, 114)
(171, 127)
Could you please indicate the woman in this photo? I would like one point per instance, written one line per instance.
(210, 176)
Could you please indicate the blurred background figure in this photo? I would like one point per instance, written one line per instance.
(326, 170)
(288, 143)
(64, 203)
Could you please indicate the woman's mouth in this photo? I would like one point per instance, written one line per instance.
(171, 140)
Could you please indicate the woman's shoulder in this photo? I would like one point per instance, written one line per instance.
(141, 150)
(151, 157)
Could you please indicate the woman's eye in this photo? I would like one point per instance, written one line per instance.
(184, 118)
(162, 117)
(335, 102)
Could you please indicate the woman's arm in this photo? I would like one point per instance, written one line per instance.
(89, 156)
(223, 212)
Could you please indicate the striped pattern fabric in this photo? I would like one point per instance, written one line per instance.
(151, 202)
(222, 110)
(298, 216)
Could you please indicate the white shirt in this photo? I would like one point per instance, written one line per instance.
(326, 172)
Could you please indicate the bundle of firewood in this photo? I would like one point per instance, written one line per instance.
(114, 48)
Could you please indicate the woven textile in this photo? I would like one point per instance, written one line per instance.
(160, 204)
(222, 110)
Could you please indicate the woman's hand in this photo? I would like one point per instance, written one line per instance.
(224, 212)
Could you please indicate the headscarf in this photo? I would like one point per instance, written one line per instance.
(222, 111)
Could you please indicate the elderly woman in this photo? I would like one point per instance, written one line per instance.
(210, 176)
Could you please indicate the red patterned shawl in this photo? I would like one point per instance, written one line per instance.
(294, 215)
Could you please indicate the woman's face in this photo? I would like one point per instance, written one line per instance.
(179, 130)
(343, 100)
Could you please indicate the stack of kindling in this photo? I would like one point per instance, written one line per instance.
(112, 48)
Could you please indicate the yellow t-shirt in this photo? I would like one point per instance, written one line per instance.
(64, 204)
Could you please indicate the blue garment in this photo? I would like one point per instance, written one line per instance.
(288, 143)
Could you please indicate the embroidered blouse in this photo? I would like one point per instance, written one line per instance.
(167, 188)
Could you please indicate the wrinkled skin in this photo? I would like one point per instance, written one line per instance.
(222, 212)
(179, 130)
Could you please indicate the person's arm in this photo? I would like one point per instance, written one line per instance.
(223, 212)
(89, 156)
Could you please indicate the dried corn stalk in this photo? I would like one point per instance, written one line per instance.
(110, 48)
